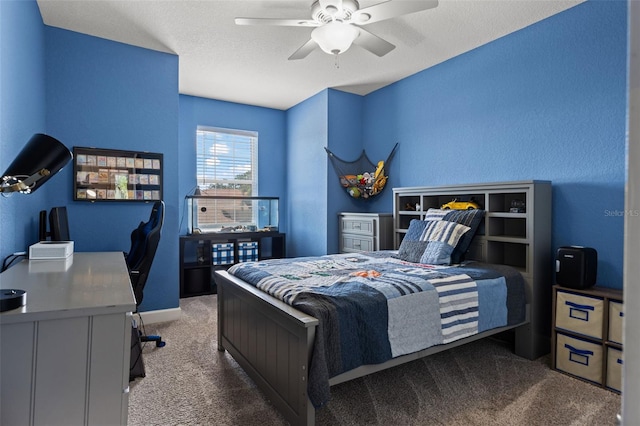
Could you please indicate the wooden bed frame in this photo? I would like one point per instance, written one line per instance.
(273, 342)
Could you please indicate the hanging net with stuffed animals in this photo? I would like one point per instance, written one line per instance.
(362, 178)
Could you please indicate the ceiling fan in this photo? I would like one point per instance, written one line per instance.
(338, 24)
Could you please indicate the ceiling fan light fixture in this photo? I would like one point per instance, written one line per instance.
(335, 37)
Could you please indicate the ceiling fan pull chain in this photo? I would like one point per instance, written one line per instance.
(337, 59)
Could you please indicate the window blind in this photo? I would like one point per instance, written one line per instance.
(227, 161)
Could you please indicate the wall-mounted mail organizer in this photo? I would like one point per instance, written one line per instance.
(116, 175)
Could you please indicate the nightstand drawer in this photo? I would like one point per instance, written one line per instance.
(356, 243)
(616, 314)
(580, 314)
(579, 357)
(365, 231)
(357, 226)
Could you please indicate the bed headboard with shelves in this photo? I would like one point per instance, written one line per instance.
(515, 231)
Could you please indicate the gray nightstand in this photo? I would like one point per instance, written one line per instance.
(365, 232)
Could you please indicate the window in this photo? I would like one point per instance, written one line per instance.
(227, 162)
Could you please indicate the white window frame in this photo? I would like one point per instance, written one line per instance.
(209, 180)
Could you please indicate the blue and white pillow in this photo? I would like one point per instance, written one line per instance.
(431, 241)
(411, 247)
(442, 237)
(471, 218)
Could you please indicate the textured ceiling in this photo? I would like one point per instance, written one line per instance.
(248, 64)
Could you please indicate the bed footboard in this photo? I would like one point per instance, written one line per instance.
(271, 341)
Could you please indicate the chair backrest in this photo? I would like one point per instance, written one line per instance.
(144, 243)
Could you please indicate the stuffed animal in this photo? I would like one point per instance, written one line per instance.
(354, 191)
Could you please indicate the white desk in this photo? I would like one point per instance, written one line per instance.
(65, 355)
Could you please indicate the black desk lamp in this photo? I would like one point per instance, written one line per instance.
(40, 159)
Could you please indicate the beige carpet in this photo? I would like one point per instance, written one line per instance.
(189, 382)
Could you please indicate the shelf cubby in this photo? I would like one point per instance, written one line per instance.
(512, 254)
(502, 226)
(503, 201)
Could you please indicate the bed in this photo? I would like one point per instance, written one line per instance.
(299, 326)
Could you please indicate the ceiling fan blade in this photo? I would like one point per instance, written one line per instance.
(304, 50)
(390, 9)
(277, 22)
(373, 43)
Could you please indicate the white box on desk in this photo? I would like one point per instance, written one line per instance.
(46, 266)
(51, 250)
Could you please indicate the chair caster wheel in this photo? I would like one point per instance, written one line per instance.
(160, 344)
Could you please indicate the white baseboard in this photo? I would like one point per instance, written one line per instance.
(161, 315)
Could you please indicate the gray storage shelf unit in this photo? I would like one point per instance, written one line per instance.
(197, 266)
(516, 231)
(587, 334)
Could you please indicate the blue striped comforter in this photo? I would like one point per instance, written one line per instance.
(373, 307)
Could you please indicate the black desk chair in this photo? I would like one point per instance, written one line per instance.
(144, 243)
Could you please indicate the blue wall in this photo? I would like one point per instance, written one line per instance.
(345, 141)
(104, 94)
(270, 125)
(547, 102)
(22, 113)
(307, 133)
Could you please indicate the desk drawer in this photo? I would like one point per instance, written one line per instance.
(358, 226)
(580, 314)
(357, 243)
(579, 357)
(616, 315)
